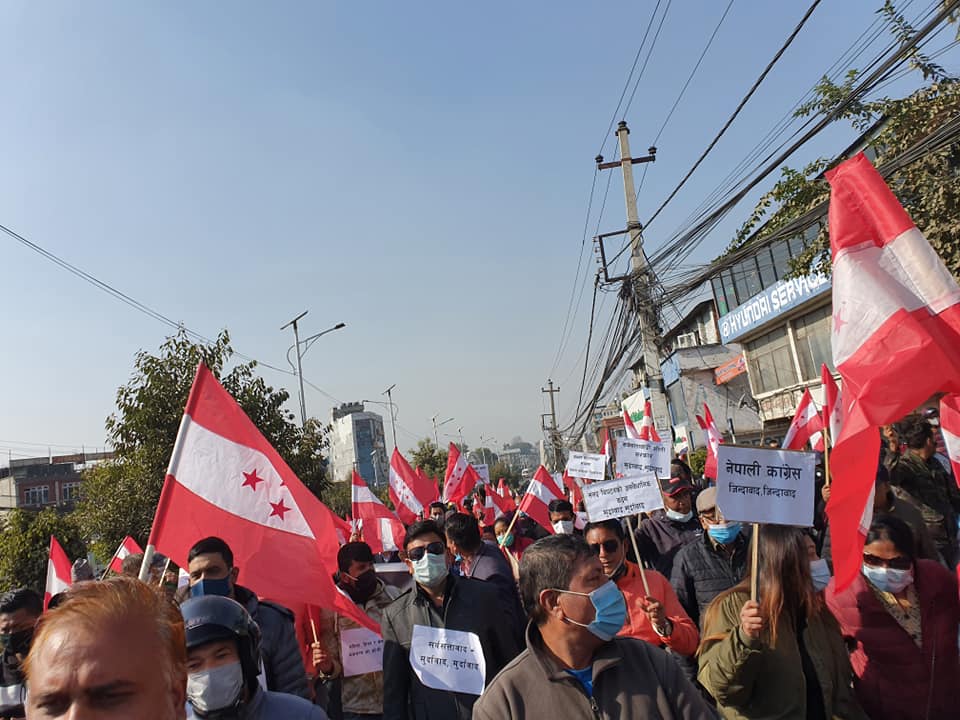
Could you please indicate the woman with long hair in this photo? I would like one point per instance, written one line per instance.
(783, 656)
(900, 615)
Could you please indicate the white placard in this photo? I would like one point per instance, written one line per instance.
(765, 485)
(449, 660)
(11, 695)
(586, 465)
(361, 651)
(636, 457)
(621, 497)
(483, 471)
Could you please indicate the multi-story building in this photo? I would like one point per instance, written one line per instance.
(54, 481)
(357, 443)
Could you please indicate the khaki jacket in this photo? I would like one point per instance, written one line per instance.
(632, 680)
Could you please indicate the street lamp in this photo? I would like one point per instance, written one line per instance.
(306, 344)
(483, 447)
(436, 435)
(376, 475)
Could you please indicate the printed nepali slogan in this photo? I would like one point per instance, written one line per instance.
(623, 496)
(586, 465)
(766, 486)
(361, 651)
(449, 660)
(635, 457)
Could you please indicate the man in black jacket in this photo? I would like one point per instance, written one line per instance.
(439, 599)
(662, 535)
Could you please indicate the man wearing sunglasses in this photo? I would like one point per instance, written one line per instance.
(656, 617)
(438, 599)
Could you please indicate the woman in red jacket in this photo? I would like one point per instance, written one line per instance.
(900, 616)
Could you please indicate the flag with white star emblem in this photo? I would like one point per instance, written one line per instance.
(225, 479)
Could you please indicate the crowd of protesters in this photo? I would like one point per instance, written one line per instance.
(577, 620)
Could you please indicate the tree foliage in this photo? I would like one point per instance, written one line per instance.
(503, 470)
(697, 460)
(24, 543)
(429, 458)
(928, 187)
(119, 497)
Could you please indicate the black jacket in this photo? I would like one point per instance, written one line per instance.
(660, 539)
(702, 571)
(469, 605)
(491, 566)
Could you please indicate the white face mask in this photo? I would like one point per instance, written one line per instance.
(430, 570)
(563, 527)
(819, 573)
(216, 689)
(678, 516)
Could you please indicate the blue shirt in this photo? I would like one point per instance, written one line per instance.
(585, 678)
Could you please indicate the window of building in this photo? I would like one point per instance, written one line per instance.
(71, 492)
(747, 278)
(726, 277)
(719, 296)
(768, 275)
(812, 335)
(36, 495)
(781, 258)
(771, 361)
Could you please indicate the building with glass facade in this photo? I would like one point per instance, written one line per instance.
(357, 443)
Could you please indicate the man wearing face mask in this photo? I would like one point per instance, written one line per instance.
(716, 562)
(361, 695)
(223, 661)
(439, 599)
(19, 610)
(562, 517)
(211, 570)
(574, 666)
(661, 536)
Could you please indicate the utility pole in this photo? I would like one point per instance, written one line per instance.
(642, 279)
(393, 423)
(296, 337)
(554, 433)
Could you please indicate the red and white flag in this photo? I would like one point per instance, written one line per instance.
(832, 403)
(461, 477)
(647, 429)
(896, 336)
(409, 492)
(573, 487)
(807, 426)
(950, 429)
(382, 529)
(632, 432)
(607, 449)
(58, 572)
(509, 504)
(536, 501)
(225, 478)
(714, 440)
(127, 547)
(427, 487)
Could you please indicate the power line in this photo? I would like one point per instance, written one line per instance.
(653, 44)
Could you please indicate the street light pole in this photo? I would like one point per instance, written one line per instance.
(307, 343)
(376, 475)
(393, 423)
(436, 435)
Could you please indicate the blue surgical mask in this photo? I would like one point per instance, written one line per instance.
(430, 570)
(888, 579)
(610, 610)
(211, 586)
(819, 574)
(679, 517)
(724, 533)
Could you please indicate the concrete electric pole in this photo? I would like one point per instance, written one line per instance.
(393, 425)
(642, 279)
(554, 433)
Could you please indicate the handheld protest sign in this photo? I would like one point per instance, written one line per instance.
(614, 499)
(754, 561)
(638, 457)
(764, 485)
(586, 465)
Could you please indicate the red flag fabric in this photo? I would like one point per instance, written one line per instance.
(896, 310)
(536, 500)
(806, 426)
(127, 547)
(225, 477)
(382, 529)
(576, 494)
(461, 477)
(632, 432)
(950, 429)
(58, 572)
(495, 504)
(832, 403)
(714, 440)
(607, 446)
(408, 491)
(647, 429)
(508, 503)
(431, 493)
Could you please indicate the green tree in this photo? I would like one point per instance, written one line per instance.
(697, 460)
(501, 469)
(120, 497)
(24, 543)
(429, 458)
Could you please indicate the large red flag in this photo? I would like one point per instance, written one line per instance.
(576, 493)
(461, 477)
(430, 489)
(382, 529)
(714, 440)
(629, 427)
(832, 403)
(806, 426)
(647, 429)
(536, 500)
(226, 479)
(896, 316)
(503, 491)
(128, 547)
(410, 492)
(58, 572)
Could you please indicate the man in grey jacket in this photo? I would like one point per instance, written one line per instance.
(438, 600)
(574, 665)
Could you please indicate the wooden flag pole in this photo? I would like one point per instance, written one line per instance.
(636, 553)
(513, 520)
(313, 628)
(166, 565)
(826, 453)
(755, 562)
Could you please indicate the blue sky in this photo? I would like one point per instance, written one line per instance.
(419, 171)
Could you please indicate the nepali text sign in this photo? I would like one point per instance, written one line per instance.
(361, 651)
(621, 497)
(586, 465)
(450, 660)
(483, 471)
(765, 486)
(768, 304)
(636, 457)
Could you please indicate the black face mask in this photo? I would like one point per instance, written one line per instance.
(17, 643)
(362, 587)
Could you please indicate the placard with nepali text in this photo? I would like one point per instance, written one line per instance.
(621, 497)
(361, 651)
(642, 456)
(765, 485)
(449, 660)
(586, 465)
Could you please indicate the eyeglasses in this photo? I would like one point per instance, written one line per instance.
(897, 563)
(434, 548)
(609, 546)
